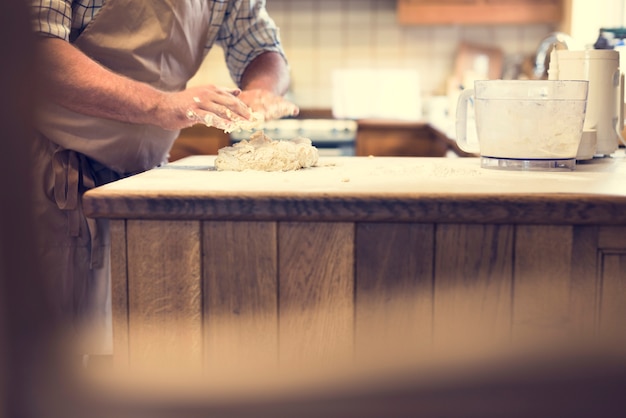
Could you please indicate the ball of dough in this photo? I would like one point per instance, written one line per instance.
(262, 153)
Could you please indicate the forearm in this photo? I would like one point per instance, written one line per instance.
(78, 83)
(268, 72)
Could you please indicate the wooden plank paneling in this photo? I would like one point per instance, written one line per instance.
(119, 293)
(316, 293)
(612, 259)
(612, 237)
(473, 282)
(394, 287)
(612, 322)
(585, 282)
(240, 294)
(543, 260)
(164, 289)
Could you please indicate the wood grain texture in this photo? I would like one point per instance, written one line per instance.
(585, 282)
(119, 293)
(613, 297)
(427, 208)
(543, 262)
(316, 293)
(164, 291)
(473, 284)
(240, 294)
(394, 288)
(612, 260)
(612, 237)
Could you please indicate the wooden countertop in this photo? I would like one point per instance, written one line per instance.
(398, 189)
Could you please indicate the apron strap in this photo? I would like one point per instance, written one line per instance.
(97, 247)
(73, 174)
(66, 182)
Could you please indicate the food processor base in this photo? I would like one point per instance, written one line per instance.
(528, 164)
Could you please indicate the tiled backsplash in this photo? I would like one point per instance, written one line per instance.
(322, 35)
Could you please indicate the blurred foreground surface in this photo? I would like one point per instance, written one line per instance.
(555, 379)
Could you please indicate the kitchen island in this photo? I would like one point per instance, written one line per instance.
(360, 258)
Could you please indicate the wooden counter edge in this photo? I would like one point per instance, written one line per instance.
(581, 209)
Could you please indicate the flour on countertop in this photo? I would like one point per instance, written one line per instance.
(445, 171)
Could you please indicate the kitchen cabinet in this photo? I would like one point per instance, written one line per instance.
(424, 12)
(360, 259)
(198, 140)
(376, 137)
(387, 138)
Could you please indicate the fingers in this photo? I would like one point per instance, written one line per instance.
(208, 119)
(220, 101)
(281, 109)
(233, 109)
(227, 125)
(215, 106)
(268, 104)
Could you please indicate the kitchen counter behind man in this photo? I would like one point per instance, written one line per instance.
(198, 140)
(377, 137)
(382, 137)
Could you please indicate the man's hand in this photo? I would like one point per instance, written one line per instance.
(268, 104)
(209, 105)
(264, 83)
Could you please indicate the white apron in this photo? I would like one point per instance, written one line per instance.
(159, 42)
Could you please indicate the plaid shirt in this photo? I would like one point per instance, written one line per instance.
(246, 30)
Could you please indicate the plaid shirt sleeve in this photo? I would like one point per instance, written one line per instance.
(52, 18)
(247, 32)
